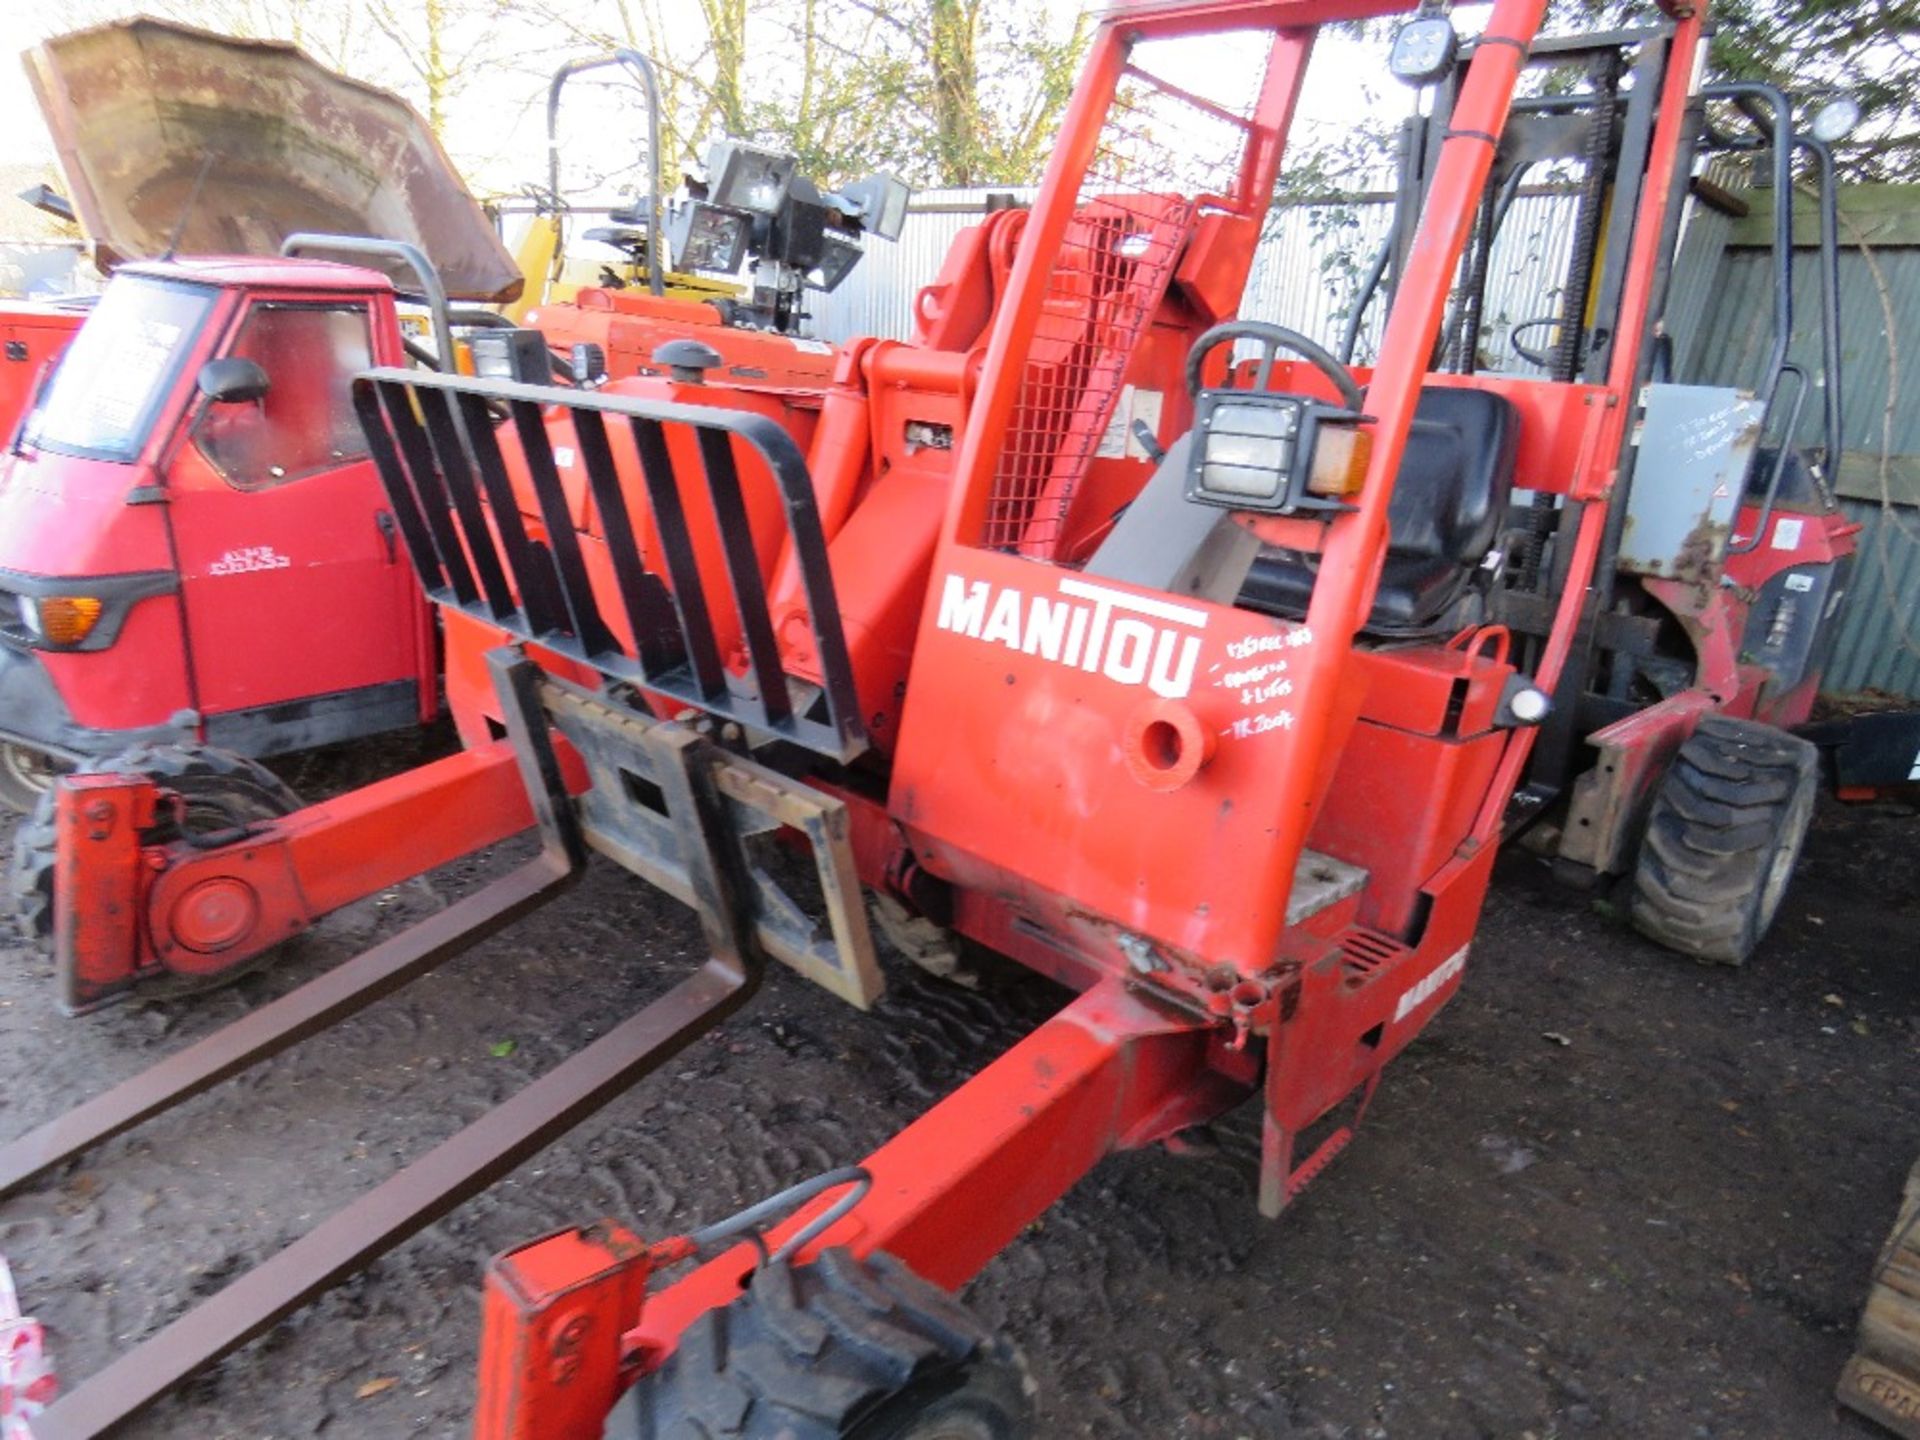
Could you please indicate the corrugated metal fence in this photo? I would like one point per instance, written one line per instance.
(877, 299)
(1305, 274)
(1315, 254)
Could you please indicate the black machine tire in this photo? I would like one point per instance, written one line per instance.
(865, 1350)
(222, 791)
(25, 776)
(1723, 837)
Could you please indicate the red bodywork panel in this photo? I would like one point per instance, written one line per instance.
(1075, 670)
(629, 325)
(1792, 541)
(31, 337)
(68, 516)
(291, 589)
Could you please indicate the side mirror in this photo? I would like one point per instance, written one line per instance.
(232, 380)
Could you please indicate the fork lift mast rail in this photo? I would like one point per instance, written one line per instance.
(1029, 795)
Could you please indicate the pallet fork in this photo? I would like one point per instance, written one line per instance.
(461, 1166)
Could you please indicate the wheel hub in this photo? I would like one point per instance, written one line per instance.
(213, 916)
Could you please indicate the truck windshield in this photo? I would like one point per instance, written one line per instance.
(102, 398)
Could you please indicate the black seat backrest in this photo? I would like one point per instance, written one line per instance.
(1455, 477)
(1448, 504)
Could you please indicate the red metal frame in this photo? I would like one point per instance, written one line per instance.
(124, 911)
(998, 812)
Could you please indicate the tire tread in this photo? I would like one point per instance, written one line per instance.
(808, 1353)
(1712, 835)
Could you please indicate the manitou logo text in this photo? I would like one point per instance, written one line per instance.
(1431, 986)
(1130, 639)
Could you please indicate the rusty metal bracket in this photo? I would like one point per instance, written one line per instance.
(678, 810)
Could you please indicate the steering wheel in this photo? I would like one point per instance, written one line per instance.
(1273, 339)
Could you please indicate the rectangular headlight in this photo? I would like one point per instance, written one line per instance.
(516, 354)
(748, 177)
(1245, 453)
(881, 203)
(838, 257)
(708, 237)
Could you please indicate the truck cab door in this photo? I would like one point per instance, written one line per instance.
(304, 621)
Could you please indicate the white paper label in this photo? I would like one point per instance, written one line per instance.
(1146, 409)
(1786, 535)
(1119, 440)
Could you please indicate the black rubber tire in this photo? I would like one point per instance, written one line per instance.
(1723, 837)
(222, 790)
(840, 1348)
(30, 877)
(25, 776)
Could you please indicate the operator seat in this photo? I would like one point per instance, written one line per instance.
(1448, 502)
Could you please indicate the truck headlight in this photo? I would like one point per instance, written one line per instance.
(59, 621)
(1245, 456)
(741, 176)
(708, 237)
(511, 354)
(1275, 454)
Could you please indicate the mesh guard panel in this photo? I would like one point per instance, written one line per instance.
(1164, 156)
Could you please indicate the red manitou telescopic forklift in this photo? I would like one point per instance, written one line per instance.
(1203, 683)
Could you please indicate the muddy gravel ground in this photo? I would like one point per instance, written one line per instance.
(1607, 1193)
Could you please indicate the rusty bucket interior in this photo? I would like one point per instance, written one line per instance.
(237, 144)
